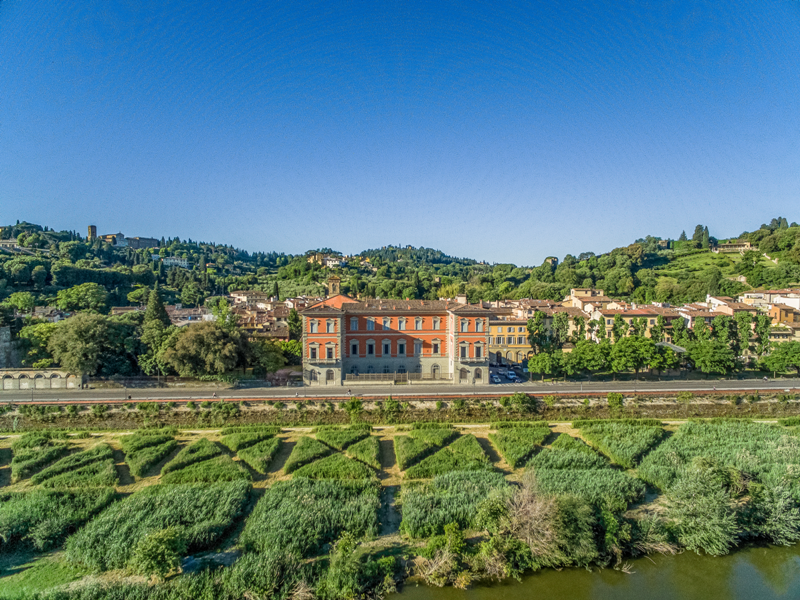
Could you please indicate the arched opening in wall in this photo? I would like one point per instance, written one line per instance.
(463, 375)
(519, 357)
(499, 358)
(435, 372)
(8, 382)
(312, 375)
(24, 382)
(72, 381)
(508, 357)
(478, 375)
(329, 376)
(39, 382)
(56, 381)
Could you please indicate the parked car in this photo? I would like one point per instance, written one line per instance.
(512, 376)
(502, 370)
(495, 379)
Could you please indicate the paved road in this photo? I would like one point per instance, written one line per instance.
(399, 391)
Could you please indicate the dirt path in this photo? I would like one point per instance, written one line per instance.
(275, 471)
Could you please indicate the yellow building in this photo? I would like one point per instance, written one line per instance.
(508, 341)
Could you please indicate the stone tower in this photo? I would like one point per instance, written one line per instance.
(92, 233)
(334, 284)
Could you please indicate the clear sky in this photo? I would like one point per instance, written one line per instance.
(504, 132)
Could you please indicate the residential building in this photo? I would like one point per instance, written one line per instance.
(781, 313)
(174, 261)
(249, 297)
(508, 340)
(740, 246)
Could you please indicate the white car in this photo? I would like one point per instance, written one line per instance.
(511, 376)
(495, 379)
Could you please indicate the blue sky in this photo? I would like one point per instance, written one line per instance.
(505, 132)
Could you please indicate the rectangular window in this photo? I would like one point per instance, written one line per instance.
(329, 352)
(501, 341)
(652, 321)
(312, 327)
(463, 352)
(491, 341)
(387, 323)
(370, 325)
(521, 329)
(329, 327)
(371, 349)
(478, 352)
(354, 324)
(418, 324)
(387, 349)
(436, 347)
(510, 330)
(437, 323)
(418, 348)
(609, 321)
(520, 340)
(401, 348)
(354, 350)
(401, 324)
(464, 325)
(312, 353)
(479, 325)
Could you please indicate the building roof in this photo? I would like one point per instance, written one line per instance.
(396, 306)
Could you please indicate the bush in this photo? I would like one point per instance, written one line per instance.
(615, 400)
(607, 487)
(202, 513)
(335, 466)
(302, 515)
(305, 451)
(624, 444)
(198, 451)
(159, 552)
(465, 454)
(260, 455)
(237, 441)
(42, 519)
(549, 400)
(449, 498)
(221, 468)
(142, 460)
(81, 459)
(685, 397)
(518, 444)
(789, 421)
(367, 451)
(341, 439)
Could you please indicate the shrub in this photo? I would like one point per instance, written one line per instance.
(33, 439)
(75, 461)
(260, 455)
(518, 444)
(191, 405)
(335, 466)
(615, 400)
(142, 439)
(198, 451)
(159, 552)
(342, 438)
(514, 424)
(142, 460)
(367, 451)
(206, 404)
(435, 436)
(685, 397)
(569, 460)
(41, 519)
(789, 421)
(598, 486)
(221, 468)
(237, 441)
(305, 451)
(624, 444)
(265, 429)
(449, 498)
(581, 423)
(465, 454)
(202, 513)
(430, 425)
(549, 400)
(302, 515)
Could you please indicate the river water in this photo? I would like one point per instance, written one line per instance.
(753, 573)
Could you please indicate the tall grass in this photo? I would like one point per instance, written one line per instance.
(202, 513)
(519, 443)
(98, 474)
(198, 451)
(341, 439)
(367, 451)
(419, 443)
(302, 515)
(623, 443)
(306, 450)
(767, 453)
(221, 468)
(142, 460)
(449, 498)
(260, 455)
(29, 459)
(237, 441)
(265, 429)
(100, 452)
(335, 466)
(465, 454)
(42, 519)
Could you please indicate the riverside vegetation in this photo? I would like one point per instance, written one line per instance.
(476, 502)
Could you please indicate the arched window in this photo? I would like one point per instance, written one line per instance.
(329, 375)
(418, 323)
(435, 371)
(313, 375)
(479, 325)
(463, 375)
(478, 374)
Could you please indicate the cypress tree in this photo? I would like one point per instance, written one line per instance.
(706, 240)
(156, 320)
(276, 293)
(683, 237)
(698, 234)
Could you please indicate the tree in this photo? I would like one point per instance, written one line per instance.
(763, 325)
(639, 327)
(537, 333)
(139, 295)
(86, 296)
(712, 356)
(268, 355)
(295, 325)
(682, 237)
(620, 328)
(744, 325)
(34, 340)
(663, 358)
(631, 354)
(698, 234)
(89, 343)
(156, 321)
(223, 315)
(293, 351)
(22, 301)
(657, 330)
(38, 276)
(207, 348)
(680, 334)
(191, 294)
(705, 240)
(276, 292)
(784, 356)
(700, 330)
(579, 323)
(543, 363)
(560, 333)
